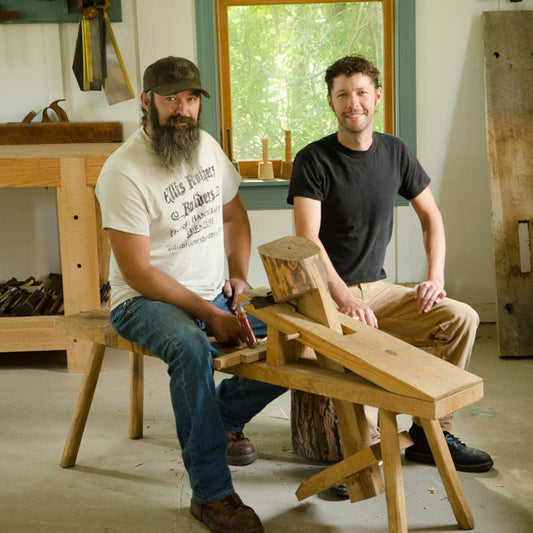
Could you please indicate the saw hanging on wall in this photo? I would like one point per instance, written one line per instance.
(97, 60)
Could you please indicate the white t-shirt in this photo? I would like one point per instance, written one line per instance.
(180, 212)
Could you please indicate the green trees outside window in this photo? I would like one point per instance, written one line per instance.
(278, 54)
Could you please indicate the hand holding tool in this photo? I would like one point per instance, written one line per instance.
(251, 339)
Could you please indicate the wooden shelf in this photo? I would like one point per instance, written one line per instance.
(73, 170)
(15, 335)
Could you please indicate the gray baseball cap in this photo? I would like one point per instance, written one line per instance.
(171, 75)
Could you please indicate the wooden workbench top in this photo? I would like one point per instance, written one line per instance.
(39, 165)
(18, 151)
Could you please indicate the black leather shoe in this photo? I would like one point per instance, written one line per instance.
(341, 491)
(227, 515)
(464, 458)
(240, 451)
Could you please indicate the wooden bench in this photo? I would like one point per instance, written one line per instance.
(313, 348)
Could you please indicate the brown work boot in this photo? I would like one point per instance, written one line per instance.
(240, 451)
(227, 515)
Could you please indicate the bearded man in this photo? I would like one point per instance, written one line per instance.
(171, 208)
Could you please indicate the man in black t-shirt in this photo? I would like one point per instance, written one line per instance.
(343, 188)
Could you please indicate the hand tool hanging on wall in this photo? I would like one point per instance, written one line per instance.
(97, 60)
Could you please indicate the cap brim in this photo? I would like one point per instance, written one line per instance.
(173, 88)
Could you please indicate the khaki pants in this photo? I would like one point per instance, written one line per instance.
(450, 327)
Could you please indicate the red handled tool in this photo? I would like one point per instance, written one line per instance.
(251, 339)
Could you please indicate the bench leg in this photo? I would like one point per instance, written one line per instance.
(136, 395)
(392, 471)
(83, 406)
(448, 474)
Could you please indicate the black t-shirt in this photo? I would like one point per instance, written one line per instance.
(357, 191)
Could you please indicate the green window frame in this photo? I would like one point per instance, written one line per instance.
(259, 195)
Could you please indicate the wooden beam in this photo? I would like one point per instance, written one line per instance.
(508, 42)
(337, 473)
(385, 360)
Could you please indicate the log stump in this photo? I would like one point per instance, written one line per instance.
(314, 429)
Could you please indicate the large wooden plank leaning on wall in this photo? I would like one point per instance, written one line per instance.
(508, 46)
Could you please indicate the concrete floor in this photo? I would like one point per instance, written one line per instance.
(121, 485)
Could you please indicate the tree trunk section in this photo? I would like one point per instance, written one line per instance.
(314, 431)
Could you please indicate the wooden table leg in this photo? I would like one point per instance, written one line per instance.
(79, 251)
(392, 470)
(136, 395)
(448, 474)
(83, 406)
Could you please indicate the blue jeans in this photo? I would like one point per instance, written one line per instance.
(201, 412)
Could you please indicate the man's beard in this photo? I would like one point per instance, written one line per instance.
(175, 146)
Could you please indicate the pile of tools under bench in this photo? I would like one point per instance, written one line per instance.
(32, 297)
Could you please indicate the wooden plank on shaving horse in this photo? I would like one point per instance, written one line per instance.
(230, 356)
(508, 58)
(428, 374)
(380, 358)
(353, 388)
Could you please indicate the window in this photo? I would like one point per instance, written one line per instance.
(401, 79)
(272, 59)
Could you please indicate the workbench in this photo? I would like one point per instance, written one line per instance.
(73, 170)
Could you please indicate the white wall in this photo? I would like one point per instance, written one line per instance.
(451, 133)
(35, 65)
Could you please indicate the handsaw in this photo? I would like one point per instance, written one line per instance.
(97, 61)
(117, 84)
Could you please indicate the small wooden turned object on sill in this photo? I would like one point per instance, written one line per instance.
(266, 170)
(286, 164)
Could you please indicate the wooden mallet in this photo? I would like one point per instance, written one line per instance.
(286, 164)
(265, 170)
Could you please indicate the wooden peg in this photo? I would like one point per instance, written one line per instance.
(292, 336)
(286, 164)
(265, 171)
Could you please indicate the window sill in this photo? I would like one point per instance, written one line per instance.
(272, 194)
(259, 194)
